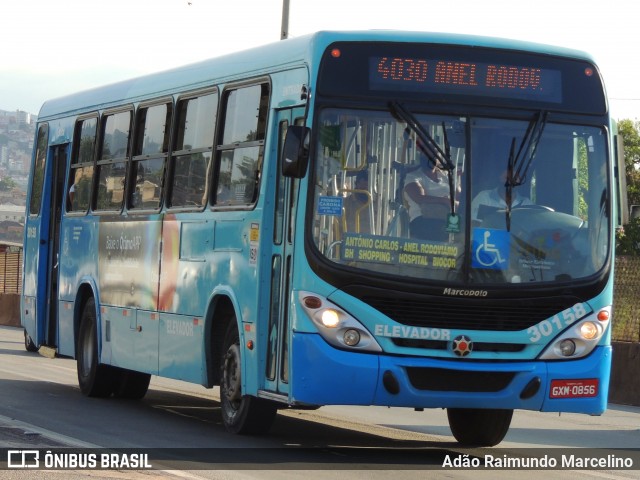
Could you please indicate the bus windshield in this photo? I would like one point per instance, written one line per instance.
(461, 199)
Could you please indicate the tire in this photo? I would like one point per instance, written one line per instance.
(241, 414)
(95, 380)
(28, 343)
(131, 385)
(479, 427)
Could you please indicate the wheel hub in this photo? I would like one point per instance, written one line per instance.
(231, 372)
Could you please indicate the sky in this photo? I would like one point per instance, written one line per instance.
(51, 48)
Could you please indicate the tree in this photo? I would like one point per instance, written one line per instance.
(630, 133)
(7, 184)
(628, 240)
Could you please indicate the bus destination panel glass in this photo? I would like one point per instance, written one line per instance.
(460, 74)
(467, 78)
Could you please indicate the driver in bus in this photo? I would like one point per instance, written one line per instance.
(494, 199)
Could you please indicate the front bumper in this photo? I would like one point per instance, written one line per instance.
(323, 375)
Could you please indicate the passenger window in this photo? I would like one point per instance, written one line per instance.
(82, 165)
(112, 161)
(150, 155)
(241, 153)
(192, 150)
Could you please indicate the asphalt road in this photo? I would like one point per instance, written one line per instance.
(179, 426)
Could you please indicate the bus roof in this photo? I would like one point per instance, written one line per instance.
(261, 60)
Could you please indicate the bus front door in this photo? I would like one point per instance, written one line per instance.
(46, 274)
(285, 195)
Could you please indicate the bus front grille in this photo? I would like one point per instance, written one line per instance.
(513, 314)
(492, 347)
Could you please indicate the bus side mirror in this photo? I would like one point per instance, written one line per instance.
(295, 154)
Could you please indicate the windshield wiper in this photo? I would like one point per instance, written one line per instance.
(518, 163)
(428, 145)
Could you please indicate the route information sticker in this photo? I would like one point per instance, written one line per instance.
(399, 251)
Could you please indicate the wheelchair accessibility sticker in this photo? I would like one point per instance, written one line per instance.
(490, 249)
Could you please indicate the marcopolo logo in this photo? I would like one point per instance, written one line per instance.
(465, 293)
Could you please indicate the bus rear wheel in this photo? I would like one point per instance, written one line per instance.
(95, 380)
(479, 427)
(241, 414)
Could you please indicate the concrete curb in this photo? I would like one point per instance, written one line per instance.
(624, 388)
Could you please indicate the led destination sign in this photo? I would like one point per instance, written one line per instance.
(465, 78)
(459, 75)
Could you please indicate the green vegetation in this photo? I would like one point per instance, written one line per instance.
(626, 325)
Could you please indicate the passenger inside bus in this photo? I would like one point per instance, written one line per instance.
(426, 193)
(358, 205)
(72, 193)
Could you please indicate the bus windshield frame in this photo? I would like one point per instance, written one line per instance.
(544, 174)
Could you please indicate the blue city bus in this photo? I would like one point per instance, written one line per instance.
(346, 218)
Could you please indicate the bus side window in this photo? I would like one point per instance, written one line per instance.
(151, 145)
(192, 150)
(112, 161)
(240, 155)
(82, 165)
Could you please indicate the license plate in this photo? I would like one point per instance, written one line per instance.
(574, 388)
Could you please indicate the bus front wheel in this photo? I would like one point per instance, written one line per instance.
(241, 414)
(479, 427)
(130, 384)
(95, 380)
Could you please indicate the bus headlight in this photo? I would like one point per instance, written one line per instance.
(588, 330)
(351, 337)
(330, 318)
(580, 338)
(567, 347)
(335, 325)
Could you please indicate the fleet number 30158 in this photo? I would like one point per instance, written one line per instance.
(556, 323)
